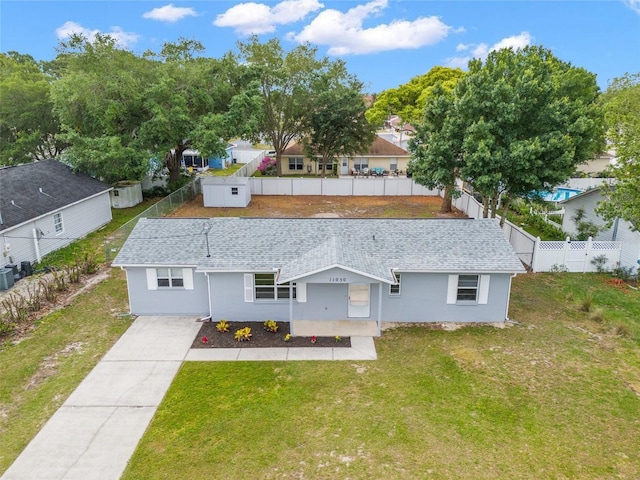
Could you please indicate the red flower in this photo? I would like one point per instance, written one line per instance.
(314, 339)
(205, 340)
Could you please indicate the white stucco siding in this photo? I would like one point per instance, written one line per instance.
(78, 220)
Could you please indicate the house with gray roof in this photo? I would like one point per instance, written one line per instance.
(45, 206)
(325, 276)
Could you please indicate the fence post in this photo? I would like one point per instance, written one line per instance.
(587, 253)
(536, 245)
(567, 245)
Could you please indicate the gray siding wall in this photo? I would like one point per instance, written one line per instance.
(166, 301)
(228, 301)
(77, 220)
(423, 298)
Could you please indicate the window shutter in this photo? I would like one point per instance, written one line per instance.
(301, 292)
(452, 290)
(248, 287)
(187, 278)
(152, 279)
(483, 294)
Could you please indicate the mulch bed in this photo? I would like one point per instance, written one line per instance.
(260, 338)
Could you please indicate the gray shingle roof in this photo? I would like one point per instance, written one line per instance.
(21, 198)
(304, 245)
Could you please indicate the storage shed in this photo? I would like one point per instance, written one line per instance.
(126, 194)
(226, 191)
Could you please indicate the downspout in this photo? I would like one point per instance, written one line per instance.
(506, 312)
(379, 309)
(209, 291)
(36, 245)
(291, 308)
(614, 237)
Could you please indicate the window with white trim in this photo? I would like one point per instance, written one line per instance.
(395, 289)
(467, 288)
(170, 277)
(265, 287)
(57, 222)
(295, 163)
(360, 163)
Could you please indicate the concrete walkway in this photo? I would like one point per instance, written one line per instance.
(95, 432)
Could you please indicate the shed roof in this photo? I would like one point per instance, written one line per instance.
(34, 189)
(299, 247)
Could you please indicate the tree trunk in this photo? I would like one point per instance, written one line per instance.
(485, 205)
(278, 165)
(445, 206)
(172, 162)
(505, 207)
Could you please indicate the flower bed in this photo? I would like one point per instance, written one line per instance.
(210, 337)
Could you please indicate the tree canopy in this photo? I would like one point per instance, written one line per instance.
(523, 120)
(622, 113)
(408, 100)
(337, 126)
(286, 88)
(28, 126)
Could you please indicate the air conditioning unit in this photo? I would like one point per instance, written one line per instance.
(6, 278)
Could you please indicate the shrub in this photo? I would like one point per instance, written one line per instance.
(48, 289)
(622, 331)
(558, 268)
(585, 306)
(270, 326)
(623, 273)
(597, 315)
(268, 167)
(243, 334)
(600, 263)
(34, 298)
(16, 308)
(287, 337)
(222, 326)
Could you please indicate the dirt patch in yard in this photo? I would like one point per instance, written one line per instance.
(323, 207)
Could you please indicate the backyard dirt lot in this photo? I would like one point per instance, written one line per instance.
(323, 206)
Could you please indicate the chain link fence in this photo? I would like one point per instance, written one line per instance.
(113, 243)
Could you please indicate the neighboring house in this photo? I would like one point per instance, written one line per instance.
(225, 191)
(598, 164)
(45, 206)
(381, 154)
(193, 159)
(620, 230)
(321, 272)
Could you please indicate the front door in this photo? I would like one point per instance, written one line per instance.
(359, 295)
(344, 170)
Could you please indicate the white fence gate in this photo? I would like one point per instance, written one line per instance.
(574, 256)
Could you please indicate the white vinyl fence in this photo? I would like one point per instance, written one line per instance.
(372, 186)
(574, 256)
(545, 256)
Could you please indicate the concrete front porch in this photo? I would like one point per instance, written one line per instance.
(330, 328)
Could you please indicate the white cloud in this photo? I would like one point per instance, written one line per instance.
(123, 39)
(344, 32)
(633, 4)
(169, 13)
(256, 18)
(481, 50)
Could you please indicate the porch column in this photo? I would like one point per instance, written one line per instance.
(291, 308)
(379, 308)
(209, 293)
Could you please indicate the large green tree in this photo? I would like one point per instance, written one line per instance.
(28, 127)
(436, 147)
(99, 98)
(622, 113)
(338, 127)
(528, 120)
(120, 111)
(286, 83)
(408, 100)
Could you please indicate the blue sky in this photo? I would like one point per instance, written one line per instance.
(384, 42)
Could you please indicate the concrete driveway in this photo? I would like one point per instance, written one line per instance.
(95, 432)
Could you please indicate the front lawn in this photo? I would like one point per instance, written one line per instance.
(555, 396)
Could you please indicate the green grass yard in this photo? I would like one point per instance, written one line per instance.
(554, 396)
